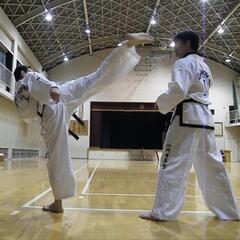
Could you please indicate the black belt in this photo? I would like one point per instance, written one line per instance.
(78, 120)
(40, 114)
(179, 112)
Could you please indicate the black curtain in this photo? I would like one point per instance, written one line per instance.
(133, 130)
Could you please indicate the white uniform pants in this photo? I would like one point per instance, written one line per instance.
(60, 171)
(183, 147)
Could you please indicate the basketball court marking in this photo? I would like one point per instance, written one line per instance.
(127, 211)
(85, 189)
(107, 210)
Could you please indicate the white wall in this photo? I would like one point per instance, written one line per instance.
(14, 133)
(237, 87)
(221, 97)
(134, 88)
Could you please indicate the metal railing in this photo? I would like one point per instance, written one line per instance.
(6, 78)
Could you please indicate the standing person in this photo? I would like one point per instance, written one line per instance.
(36, 96)
(190, 139)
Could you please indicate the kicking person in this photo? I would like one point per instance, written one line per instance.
(190, 139)
(36, 96)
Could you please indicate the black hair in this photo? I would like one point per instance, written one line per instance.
(189, 36)
(17, 73)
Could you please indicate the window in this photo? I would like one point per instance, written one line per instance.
(6, 64)
(2, 57)
(6, 58)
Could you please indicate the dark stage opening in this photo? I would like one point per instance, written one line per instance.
(127, 126)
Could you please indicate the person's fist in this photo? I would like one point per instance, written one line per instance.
(55, 94)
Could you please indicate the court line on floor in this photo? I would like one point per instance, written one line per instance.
(48, 190)
(84, 191)
(131, 195)
(111, 210)
(127, 194)
(118, 194)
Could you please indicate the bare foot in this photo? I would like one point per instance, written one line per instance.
(148, 216)
(55, 207)
(138, 38)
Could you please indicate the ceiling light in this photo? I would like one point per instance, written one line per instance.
(87, 31)
(220, 30)
(153, 21)
(65, 58)
(172, 44)
(227, 60)
(48, 17)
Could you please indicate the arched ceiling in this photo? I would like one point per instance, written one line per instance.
(109, 20)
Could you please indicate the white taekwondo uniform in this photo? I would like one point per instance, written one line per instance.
(32, 98)
(190, 140)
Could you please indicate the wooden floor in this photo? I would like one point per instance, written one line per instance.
(110, 195)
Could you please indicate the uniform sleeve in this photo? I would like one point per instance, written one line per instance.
(177, 89)
(115, 66)
(39, 86)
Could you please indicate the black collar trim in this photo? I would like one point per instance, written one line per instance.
(189, 54)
